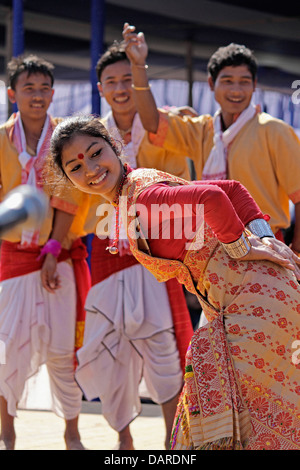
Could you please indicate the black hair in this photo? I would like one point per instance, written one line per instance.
(115, 53)
(233, 54)
(31, 64)
(71, 127)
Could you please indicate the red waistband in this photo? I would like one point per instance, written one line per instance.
(17, 261)
(103, 263)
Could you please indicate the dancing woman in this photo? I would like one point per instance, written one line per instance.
(242, 379)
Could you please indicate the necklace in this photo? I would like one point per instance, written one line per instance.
(113, 248)
(125, 135)
(122, 132)
(115, 202)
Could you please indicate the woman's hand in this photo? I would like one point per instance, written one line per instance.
(271, 249)
(285, 251)
(49, 277)
(135, 45)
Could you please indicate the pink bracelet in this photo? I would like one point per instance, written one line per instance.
(52, 246)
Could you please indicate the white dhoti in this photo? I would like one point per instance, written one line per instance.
(37, 327)
(128, 335)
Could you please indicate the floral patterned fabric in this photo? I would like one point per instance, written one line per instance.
(259, 304)
(242, 384)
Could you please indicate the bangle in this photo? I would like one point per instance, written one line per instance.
(261, 228)
(52, 246)
(140, 66)
(141, 88)
(239, 248)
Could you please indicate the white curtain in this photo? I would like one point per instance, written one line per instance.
(73, 97)
(70, 98)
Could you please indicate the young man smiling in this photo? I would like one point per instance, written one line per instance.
(38, 286)
(240, 142)
(233, 89)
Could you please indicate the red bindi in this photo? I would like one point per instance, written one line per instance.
(80, 156)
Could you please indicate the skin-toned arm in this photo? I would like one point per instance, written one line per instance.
(137, 52)
(61, 226)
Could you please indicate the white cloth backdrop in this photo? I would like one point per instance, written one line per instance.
(76, 97)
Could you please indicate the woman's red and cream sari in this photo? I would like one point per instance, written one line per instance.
(242, 380)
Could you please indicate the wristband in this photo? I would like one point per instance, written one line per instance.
(261, 228)
(141, 88)
(239, 248)
(52, 246)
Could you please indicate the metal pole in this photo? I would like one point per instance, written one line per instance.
(18, 28)
(96, 49)
(189, 64)
(8, 52)
(190, 78)
(18, 33)
(97, 36)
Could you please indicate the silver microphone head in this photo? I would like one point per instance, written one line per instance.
(28, 200)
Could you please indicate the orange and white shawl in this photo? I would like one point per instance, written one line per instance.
(215, 167)
(31, 165)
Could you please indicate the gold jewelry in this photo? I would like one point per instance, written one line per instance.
(239, 248)
(113, 248)
(122, 133)
(141, 88)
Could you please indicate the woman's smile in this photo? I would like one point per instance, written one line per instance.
(99, 179)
